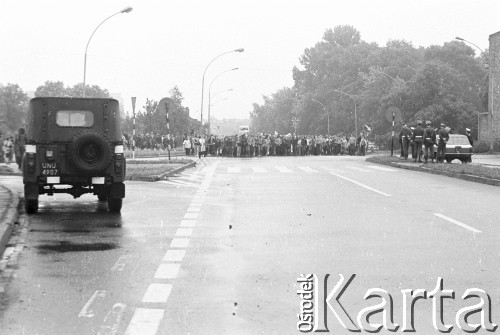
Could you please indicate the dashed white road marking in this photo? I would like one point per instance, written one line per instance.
(87, 311)
(167, 271)
(360, 184)
(191, 215)
(458, 223)
(306, 169)
(157, 293)
(283, 169)
(174, 256)
(381, 168)
(145, 321)
(184, 232)
(179, 242)
(188, 223)
(258, 169)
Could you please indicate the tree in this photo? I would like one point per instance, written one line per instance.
(57, 89)
(13, 108)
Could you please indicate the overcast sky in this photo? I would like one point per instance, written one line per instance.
(165, 43)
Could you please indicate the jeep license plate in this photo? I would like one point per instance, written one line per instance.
(49, 169)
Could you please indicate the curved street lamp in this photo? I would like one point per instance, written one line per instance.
(326, 110)
(125, 10)
(209, 89)
(355, 110)
(203, 78)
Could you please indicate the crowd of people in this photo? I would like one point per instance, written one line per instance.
(149, 141)
(12, 148)
(247, 145)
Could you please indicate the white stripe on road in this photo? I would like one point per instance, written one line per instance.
(233, 169)
(157, 293)
(306, 169)
(145, 321)
(191, 215)
(174, 256)
(87, 311)
(179, 243)
(112, 320)
(282, 169)
(355, 168)
(193, 208)
(188, 223)
(381, 168)
(458, 223)
(167, 271)
(360, 184)
(184, 232)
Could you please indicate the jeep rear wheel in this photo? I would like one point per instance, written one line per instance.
(115, 204)
(31, 206)
(91, 153)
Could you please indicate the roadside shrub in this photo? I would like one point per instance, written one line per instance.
(496, 145)
(481, 147)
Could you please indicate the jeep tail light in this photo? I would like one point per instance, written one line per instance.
(30, 149)
(118, 149)
(118, 166)
(30, 161)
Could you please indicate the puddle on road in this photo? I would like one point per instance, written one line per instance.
(65, 246)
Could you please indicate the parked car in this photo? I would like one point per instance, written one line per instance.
(458, 147)
(74, 142)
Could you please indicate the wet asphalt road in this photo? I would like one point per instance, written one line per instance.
(218, 249)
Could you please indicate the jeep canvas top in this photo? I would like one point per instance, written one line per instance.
(76, 142)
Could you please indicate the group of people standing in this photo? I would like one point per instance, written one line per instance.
(421, 141)
(248, 145)
(12, 148)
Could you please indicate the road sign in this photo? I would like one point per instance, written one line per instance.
(166, 105)
(395, 111)
(295, 120)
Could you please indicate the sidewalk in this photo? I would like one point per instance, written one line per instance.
(9, 202)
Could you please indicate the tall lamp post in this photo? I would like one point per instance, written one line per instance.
(203, 78)
(355, 110)
(490, 88)
(326, 110)
(209, 97)
(125, 10)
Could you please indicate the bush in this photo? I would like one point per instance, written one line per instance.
(481, 147)
(496, 145)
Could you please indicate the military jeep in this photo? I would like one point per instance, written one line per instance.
(74, 145)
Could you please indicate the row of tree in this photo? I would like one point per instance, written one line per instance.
(14, 108)
(344, 77)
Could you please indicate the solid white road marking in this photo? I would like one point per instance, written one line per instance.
(458, 223)
(258, 169)
(282, 169)
(167, 271)
(112, 320)
(87, 311)
(157, 293)
(306, 169)
(360, 184)
(145, 321)
(179, 242)
(381, 168)
(184, 232)
(188, 223)
(174, 256)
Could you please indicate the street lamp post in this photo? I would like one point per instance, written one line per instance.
(203, 79)
(209, 97)
(490, 88)
(327, 111)
(125, 10)
(355, 110)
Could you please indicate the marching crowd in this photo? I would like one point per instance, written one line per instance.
(247, 145)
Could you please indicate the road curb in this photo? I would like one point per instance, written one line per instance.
(8, 217)
(476, 179)
(163, 175)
